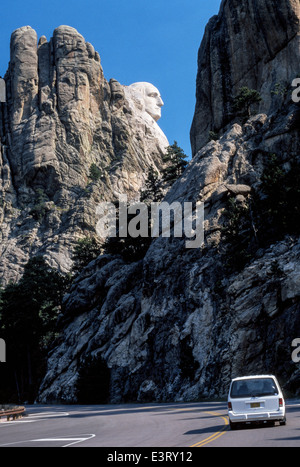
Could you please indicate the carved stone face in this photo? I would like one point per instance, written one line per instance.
(152, 99)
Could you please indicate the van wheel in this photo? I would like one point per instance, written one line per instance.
(282, 422)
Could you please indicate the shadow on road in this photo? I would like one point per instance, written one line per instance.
(206, 430)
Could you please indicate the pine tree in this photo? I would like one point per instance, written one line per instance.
(153, 191)
(130, 248)
(86, 250)
(175, 163)
(28, 317)
(244, 101)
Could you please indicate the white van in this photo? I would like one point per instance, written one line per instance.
(255, 399)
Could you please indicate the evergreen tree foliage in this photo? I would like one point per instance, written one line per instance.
(95, 172)
(85, 251)
(28, 316)
(39, 210)
(244, 101)
(130, 248)
(175, 163)
(239, 235)
(135, 248)
(271, 212)
(278, 212)
(153, 192)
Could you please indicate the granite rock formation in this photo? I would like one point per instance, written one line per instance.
(174, 326)
(249, 43)
(60, 119)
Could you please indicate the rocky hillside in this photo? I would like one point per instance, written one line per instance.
(69, 140)
(180, 323)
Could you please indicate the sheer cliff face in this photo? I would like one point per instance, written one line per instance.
(253, 43)
(175, 326)
(61, 118)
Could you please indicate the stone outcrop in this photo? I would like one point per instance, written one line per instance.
(61, 118)
(253, 43)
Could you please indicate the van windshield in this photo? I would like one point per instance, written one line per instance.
(254, 387)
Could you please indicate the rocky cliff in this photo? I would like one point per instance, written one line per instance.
(175, 326)
(179, 324)
(249, 43)
(69, 140)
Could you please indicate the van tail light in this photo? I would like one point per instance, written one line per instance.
(229, 406)
(280, 402)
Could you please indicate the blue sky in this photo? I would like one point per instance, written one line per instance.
(138, 40)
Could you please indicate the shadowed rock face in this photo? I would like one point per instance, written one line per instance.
(253, 43)
(61, 117)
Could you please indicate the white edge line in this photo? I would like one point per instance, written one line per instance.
(76, 440)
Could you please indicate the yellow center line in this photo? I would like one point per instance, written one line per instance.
(214, 436)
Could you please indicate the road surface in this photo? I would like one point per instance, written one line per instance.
(185, 425)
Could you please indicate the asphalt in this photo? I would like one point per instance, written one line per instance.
(165, 426)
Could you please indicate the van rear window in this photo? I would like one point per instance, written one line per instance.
(253, 387)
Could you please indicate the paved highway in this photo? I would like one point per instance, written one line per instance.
(186, 425)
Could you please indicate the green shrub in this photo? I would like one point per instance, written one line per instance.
(245, 100)
(213, 136)
(95, 173)
(39, 209)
